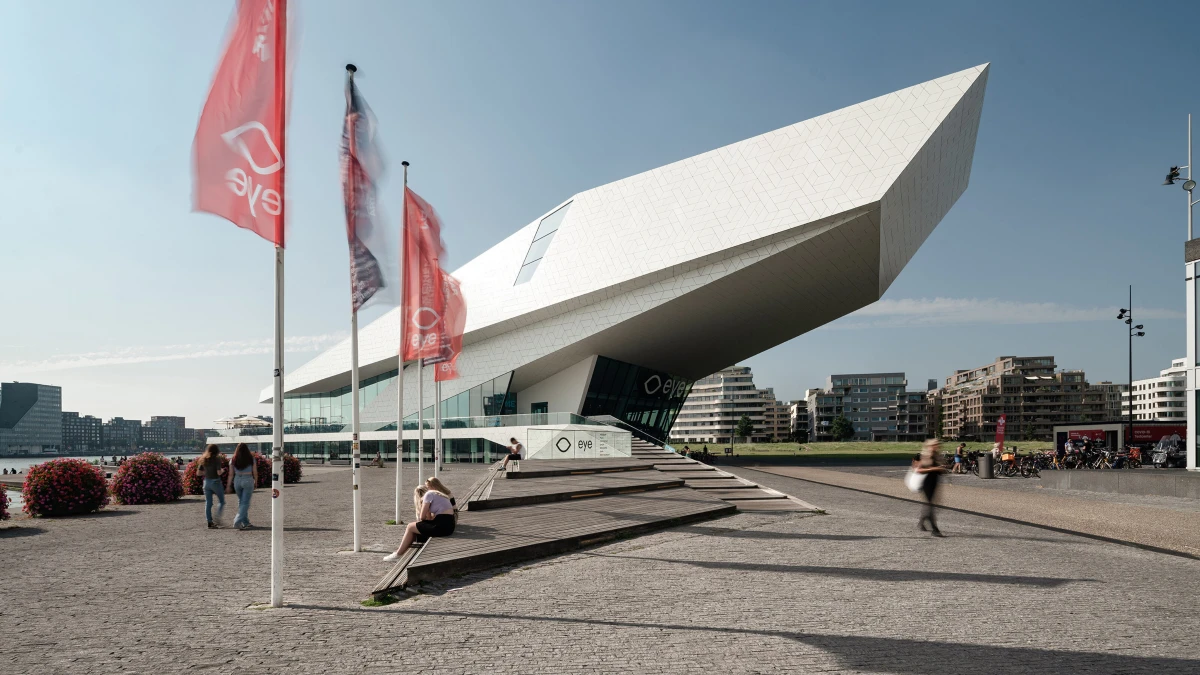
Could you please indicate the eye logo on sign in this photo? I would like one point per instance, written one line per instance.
(670, 388)
(429, 314)
(233, 138)
(653, 384)
(562, 444)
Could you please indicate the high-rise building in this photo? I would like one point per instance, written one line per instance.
(81, 433)
(1159, 398)
(718, 402)
(30, 418)
(121, 434)
(1032, 395)
(878, 406)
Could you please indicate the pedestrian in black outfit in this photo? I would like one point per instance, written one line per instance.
(927, 464)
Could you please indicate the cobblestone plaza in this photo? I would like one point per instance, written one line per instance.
(857, 589)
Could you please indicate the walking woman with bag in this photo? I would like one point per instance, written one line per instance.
(243, 476)
(927, 468)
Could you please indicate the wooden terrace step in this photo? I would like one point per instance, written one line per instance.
(495, 537)
(509, 493)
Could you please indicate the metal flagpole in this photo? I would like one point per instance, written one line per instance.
(355, 455)
(420, 420)
(277, 400)
(400, 372)
(277, 438)
(437, 422)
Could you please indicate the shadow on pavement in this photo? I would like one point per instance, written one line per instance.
(895, 655)
(19, 531)
(864, 573)
(762, 534)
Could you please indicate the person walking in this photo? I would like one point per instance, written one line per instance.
(243, 476)
(210, 461)
(927, 465)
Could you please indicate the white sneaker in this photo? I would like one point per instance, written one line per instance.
(391, 558)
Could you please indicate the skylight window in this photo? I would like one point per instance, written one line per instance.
(541, 241)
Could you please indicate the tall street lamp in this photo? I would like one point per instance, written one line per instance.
(1134, 331)
(1191, 256)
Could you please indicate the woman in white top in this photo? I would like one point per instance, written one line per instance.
(435, 519)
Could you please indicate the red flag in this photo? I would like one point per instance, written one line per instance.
(238, 151)
(423, 306)
(1000, 430)
(454, 324)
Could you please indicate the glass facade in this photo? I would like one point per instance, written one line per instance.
(541, 241)
(333, 408)
(330, 411)
(647, 400)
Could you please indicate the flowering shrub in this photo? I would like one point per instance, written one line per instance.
(148, 478)
(64, 487)
(291, 469)
(193, 475)
(264, 470)
(3, 504)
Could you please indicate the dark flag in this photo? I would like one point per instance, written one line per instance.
(372, 271)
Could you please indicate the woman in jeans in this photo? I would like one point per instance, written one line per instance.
(243, 476)
(435, 519)
(210, 461)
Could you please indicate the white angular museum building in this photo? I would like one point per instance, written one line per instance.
(606, 308)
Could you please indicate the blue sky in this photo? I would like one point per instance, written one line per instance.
(137, 307)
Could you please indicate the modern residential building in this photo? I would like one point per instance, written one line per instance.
(605, 309)
(878, 405)
(1030, 392)
(1159, 398)
(81, 433)
(30, 418)
(798, 420)
(121, 434)
(718, 402)
(168, 422)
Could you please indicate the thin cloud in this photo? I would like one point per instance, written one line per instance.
(960, 311)
(145, 354)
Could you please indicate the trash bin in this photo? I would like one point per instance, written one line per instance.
(986, 468)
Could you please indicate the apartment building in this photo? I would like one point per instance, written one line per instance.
(878, 405)
(717, 402)
(1029, 390)
(80, 433)
(1159, 398)
(798, 420)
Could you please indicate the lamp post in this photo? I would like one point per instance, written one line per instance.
(1191, 255)
(1134, 331)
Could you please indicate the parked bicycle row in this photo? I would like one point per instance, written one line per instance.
(1010, 462)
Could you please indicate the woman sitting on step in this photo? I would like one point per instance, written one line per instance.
(435, 516)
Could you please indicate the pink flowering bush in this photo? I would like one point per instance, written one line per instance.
(148, 478)
(193, 475)
(64, 487)
(3, 504)
(291, 469)
(264, 470)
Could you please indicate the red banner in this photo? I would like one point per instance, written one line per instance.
(1000, 424)
(423, 307)
(238, 151)
(1094, 435)
(1145, 433)
(455, 324)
